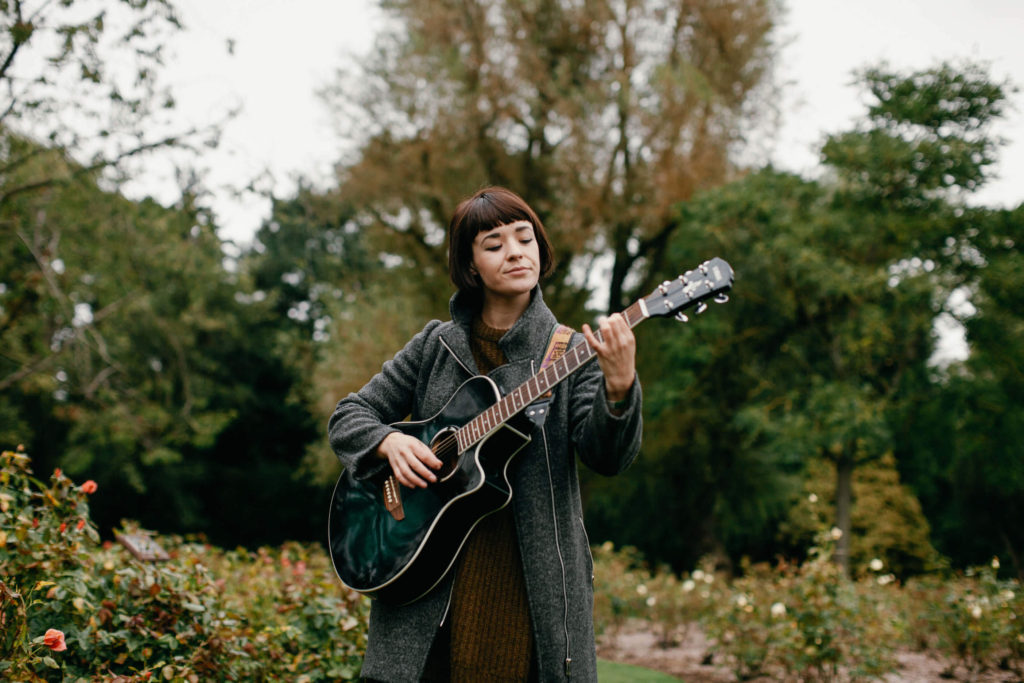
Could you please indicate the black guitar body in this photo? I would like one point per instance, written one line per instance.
(400, 561)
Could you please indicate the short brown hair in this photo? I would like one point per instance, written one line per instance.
(489, 208)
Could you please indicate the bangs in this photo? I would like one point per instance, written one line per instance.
(489, 211)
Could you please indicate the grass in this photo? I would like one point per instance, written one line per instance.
(614, 672)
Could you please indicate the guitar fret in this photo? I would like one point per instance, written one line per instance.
(535, 387)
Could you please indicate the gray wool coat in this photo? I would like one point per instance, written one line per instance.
(557, 563)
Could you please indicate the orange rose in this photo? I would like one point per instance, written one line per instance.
(89, 487)
(54, 640)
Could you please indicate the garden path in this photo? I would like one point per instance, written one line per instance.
(636, 643)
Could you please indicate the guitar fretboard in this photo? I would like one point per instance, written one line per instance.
(529, 391)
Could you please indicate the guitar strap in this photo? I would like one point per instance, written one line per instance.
(559, 342)
(537, 413)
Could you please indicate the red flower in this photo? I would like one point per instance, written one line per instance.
(35, 522)
(81, 523)
(56, 473)
(54, 640)
(89, 487)
(63, 527)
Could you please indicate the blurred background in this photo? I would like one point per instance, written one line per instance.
(220, 218)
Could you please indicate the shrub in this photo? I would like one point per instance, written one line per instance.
(976, 620)
(806, 622)
(205, 613)
(625, 589)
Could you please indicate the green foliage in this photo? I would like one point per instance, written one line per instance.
(128, 353)
(929, 133)
(205, 613)
(975, 619)
(824, 351)
(887, 526)
(807, 622)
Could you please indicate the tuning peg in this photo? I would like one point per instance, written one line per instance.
(721, 298)
(681, 317)
(701, 307)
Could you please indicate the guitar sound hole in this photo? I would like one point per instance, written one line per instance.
(446, 448)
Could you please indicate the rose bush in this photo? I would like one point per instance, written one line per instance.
(71, 609)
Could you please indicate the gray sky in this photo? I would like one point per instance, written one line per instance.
(283, 50)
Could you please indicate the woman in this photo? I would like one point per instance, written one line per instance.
(518, 605)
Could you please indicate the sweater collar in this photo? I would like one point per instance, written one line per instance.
(526, 339)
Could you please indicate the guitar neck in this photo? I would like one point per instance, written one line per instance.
(529, 391)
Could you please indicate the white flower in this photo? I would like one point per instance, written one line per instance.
(688, 585)
(641, 589)
(876, 565)
(995, 563)
(976, 611)
(886, 579)
(836, 533)
(708, 578)
(651, 601)
(698, 575)
(778, 610)
(813, 498)
(1008, 595)
(741, 600)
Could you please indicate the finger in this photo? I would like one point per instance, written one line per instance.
(421, 470)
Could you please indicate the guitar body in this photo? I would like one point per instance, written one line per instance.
(400, 561)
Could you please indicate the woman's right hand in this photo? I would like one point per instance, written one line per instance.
(411, 460)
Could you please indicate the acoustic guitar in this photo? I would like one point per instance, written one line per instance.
(395, 544)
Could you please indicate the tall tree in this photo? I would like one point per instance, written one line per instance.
(602, 114)
(838, 286)
(130, 359)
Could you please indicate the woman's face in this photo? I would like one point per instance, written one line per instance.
(507, 259)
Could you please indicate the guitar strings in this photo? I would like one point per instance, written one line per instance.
(449, 445)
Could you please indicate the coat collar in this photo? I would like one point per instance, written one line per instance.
(526, 340)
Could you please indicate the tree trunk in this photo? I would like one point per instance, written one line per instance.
(844, 500)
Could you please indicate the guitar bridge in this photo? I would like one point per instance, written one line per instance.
(393, 498)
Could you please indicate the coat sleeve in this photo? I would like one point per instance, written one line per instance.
(361, 420)
(604, 442)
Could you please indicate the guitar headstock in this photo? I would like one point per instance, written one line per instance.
(710, 280)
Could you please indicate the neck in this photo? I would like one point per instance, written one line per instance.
(501, 312)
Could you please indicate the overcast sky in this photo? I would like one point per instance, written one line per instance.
(282, 51)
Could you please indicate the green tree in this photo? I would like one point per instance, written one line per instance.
(961, 445)
(129, 355)
(831, 325)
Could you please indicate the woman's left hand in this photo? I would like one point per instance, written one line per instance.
(616, 354)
